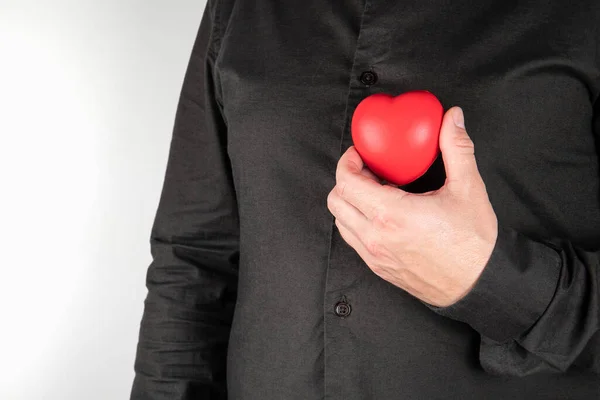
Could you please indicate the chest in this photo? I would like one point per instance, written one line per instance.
(525, 74)
(518, 70)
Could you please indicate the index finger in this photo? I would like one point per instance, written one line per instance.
(364, 193)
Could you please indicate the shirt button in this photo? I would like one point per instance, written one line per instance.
(342, 309)
(368, 78)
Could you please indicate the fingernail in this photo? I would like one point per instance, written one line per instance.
(458, 117)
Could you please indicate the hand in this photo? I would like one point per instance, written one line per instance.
(433, 245)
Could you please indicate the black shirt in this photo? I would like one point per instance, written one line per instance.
(252, 290)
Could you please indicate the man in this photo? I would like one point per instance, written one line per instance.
(284, 269)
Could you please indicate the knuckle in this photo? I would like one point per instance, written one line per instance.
(394, 194)
(345, 166)
(339, 228)
(353, 166)
(381, 218)
(330, 201)
(342, 231)
(341, 187)
(465, 144)
(339, 173)
(376, 268)
(402, 275)
(373, 245)
(469, 189)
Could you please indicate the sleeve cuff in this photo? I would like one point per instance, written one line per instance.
(513, 291)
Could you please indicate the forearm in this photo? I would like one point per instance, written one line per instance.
(537, 307)
(185, 328)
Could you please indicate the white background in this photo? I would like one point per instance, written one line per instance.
(88, 91)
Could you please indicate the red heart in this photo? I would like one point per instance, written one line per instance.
(398, 137)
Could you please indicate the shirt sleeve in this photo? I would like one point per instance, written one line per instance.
(192, 279)
(536, 304)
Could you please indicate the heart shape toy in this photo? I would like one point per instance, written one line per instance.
(398, 137)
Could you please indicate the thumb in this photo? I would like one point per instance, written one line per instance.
(457, 148)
